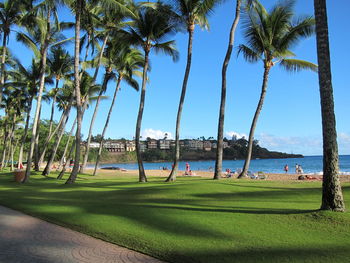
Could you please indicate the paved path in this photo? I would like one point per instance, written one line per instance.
(27, 239)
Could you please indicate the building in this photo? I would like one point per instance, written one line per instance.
(164, 144)
(195, 144)
(143, 146)
(152, 144)
(114, 146)
(130, 146)
(94, 145)
(207, 146)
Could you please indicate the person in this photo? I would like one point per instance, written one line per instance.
(297, 168)
(286, 168)
(187, 169)
(300, 169)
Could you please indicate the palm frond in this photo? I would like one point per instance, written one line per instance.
(28, 42)
(168, 48)
(249, 54)
(295, 65)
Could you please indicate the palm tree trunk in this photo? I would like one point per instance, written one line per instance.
(53, 108)
(93, 118)
(65, 164)
(255, 119)
(9, 144)
(219, 149)
(142, 175)
(20, 157)
(47, 169)
(3, 156)
(75, 169)
(11, 141)
(3, 60)
(172, 176)
(36, 145)
(87, 147)
(67, 145)
(100, 57)
(38, 106)
(48, 139)
(332, 197)
(106, 124)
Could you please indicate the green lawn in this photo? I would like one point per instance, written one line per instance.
(194, 219)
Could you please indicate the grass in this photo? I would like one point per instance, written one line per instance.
(194, 219)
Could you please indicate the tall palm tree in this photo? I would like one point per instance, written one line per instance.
(112, 22)
(270, 36)
(44, 33)
(78, 7)
(191, 12)
(332, 197)
(60, 66)
(27, 79)
(11, 12)
(66, 100)
(125, 61)
(220, 139)
(149, 29)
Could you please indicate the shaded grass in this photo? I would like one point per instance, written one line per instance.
(194, 219)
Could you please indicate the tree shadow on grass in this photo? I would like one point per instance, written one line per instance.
(264, 253)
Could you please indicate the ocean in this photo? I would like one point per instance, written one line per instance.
(310, 164)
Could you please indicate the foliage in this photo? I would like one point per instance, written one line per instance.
(94, 152)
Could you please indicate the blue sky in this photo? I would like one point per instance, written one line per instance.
(290, 120)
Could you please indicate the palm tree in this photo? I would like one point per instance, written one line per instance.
(126, 62)
(332, 197)
(45, 34)
(60, 65)
(67, 104)
(191, 12)
(112, 22)
(27, 79)
(270, 36)
(78, 7)
(220, 140)
(151, 27)
(11, 11)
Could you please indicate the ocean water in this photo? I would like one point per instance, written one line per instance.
(310, 164)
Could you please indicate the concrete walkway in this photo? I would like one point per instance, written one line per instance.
(27, 239)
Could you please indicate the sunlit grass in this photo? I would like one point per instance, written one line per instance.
(194, 219)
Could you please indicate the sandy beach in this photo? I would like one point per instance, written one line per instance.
(164, 173)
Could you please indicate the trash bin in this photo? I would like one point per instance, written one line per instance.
(19, 175)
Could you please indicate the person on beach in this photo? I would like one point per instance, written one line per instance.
(187, 172)
(300, 169)
(286, 168)
(297, 168)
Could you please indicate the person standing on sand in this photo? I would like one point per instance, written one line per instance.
(187, 169)
(297, 168)
(286, 168)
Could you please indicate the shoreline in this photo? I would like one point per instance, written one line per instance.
(105, 173)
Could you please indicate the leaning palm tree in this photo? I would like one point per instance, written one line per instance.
(112, 22)
(60, 65)
(220, 140)
(270, 36)
(126, 62)
(150, 28)
(78, 7)
(11, 12)
(332, 197)
(43, 33)
(27, 79)
(191, 12)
